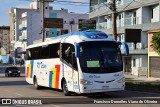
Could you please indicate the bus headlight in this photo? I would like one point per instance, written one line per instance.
(85, 82)
(10, 71)
(121, 80)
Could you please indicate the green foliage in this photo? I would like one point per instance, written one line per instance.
(156, 42)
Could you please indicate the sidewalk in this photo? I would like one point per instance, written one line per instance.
(132, 78)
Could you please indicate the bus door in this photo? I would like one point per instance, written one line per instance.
(70, 66)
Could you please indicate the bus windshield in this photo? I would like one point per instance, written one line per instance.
(100, 57)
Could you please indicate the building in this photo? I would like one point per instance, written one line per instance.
(134, 19)
(15, 34)
(27, 29)
(4, 40)
(154, 58)
(15, 14)
(31, 24)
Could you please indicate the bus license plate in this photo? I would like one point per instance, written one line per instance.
(105, 87)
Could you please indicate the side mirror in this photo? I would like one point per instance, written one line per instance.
(125, 46)
(77, 49)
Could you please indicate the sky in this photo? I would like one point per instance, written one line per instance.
(6, 5)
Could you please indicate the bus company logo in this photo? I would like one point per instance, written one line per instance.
(94, 76)
(91, 76)
(41, 65)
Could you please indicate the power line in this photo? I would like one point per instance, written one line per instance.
(71, 4)
(128, 5)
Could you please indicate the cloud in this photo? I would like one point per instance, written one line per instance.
(79, 1)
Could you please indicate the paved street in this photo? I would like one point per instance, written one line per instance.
(16, 87)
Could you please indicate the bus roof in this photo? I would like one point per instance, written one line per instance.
(80, 36)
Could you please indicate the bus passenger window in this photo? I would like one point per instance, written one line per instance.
(45, 52)
(54, 50)
(68, 55)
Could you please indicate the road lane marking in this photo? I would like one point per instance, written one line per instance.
(55, 105)
(19, 94)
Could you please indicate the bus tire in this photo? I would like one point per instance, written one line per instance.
(36, 83)
(65, 88)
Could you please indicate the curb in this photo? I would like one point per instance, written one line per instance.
(143, 86)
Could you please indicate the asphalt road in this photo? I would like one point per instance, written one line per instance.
(16, 87)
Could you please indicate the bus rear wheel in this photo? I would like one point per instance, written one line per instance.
(65, 89)
(36, 83)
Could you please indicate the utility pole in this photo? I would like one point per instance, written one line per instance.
(43, 13)
(114, 16)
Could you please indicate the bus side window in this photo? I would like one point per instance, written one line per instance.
(45, 52)
(54, 50)
(68, 56)
(35, 53)
(28, 55)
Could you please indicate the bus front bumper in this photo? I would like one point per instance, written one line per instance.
(101, 88)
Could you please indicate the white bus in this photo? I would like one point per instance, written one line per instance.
(80, 62)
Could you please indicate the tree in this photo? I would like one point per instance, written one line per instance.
(156, 42)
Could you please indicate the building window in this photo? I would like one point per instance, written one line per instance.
(134, 62)
(47, 33)
(152, 13)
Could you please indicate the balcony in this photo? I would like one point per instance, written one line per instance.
(104, 25)
(22, 27)
(24, 15)
(138, 49)
(101, 6)
(22, 37)
(105, 5)
(125, 2)
(120, 23)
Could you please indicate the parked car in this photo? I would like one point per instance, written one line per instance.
(12, 71)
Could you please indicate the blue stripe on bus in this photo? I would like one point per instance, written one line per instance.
(32, 64)
(50, 79)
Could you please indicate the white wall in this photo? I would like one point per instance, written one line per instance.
(156, 14)
(140, 61)
(139, 15)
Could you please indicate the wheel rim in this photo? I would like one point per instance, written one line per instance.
(65, 88)
(35, 83)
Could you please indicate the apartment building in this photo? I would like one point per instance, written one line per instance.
(134, 19)
(26, 24)
(15, 34)
(15, 15)
(31, 25)
(4, 40)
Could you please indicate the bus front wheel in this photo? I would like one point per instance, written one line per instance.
(36, 83)
(65, 89)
